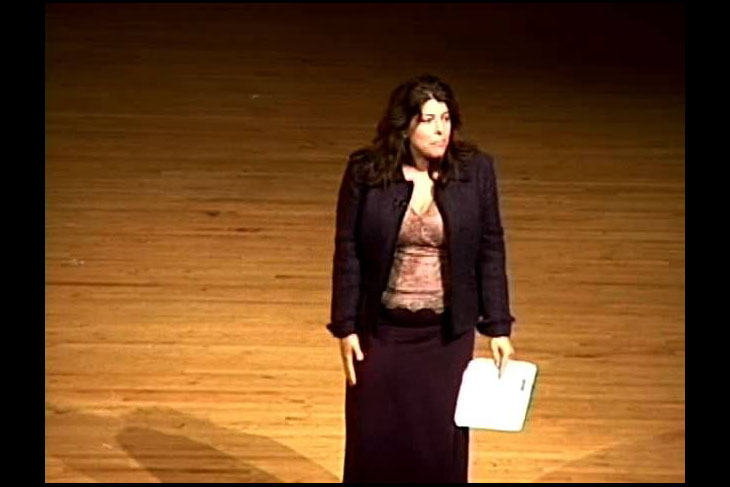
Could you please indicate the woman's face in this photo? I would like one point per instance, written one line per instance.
(429, 134)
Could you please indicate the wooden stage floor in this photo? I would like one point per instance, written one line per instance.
(193, 156)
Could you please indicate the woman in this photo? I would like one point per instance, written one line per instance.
(419, 264)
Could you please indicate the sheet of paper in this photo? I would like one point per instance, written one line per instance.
(490, 402)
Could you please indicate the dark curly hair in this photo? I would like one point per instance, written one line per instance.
(380, 162)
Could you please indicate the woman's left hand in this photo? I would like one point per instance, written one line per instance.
(502, 350)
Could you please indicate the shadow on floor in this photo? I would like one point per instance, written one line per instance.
(643, 460)
(165, 445)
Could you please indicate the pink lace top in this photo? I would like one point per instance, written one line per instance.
(416, 279)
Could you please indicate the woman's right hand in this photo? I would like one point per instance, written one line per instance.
(349, 347)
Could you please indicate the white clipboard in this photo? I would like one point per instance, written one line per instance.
(488, 402)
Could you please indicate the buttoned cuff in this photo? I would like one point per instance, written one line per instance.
(341, 330)
(495, 328)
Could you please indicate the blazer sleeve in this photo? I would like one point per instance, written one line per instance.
(346, 260)
(495, 319)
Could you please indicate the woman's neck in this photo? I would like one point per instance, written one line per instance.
(421, 163)
(422, 168)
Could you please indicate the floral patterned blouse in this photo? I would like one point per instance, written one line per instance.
(416, 280)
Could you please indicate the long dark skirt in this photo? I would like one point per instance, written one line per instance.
(400, 414)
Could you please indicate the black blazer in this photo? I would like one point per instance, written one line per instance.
(367, 225)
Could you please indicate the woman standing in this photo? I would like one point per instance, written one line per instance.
(419, 264)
